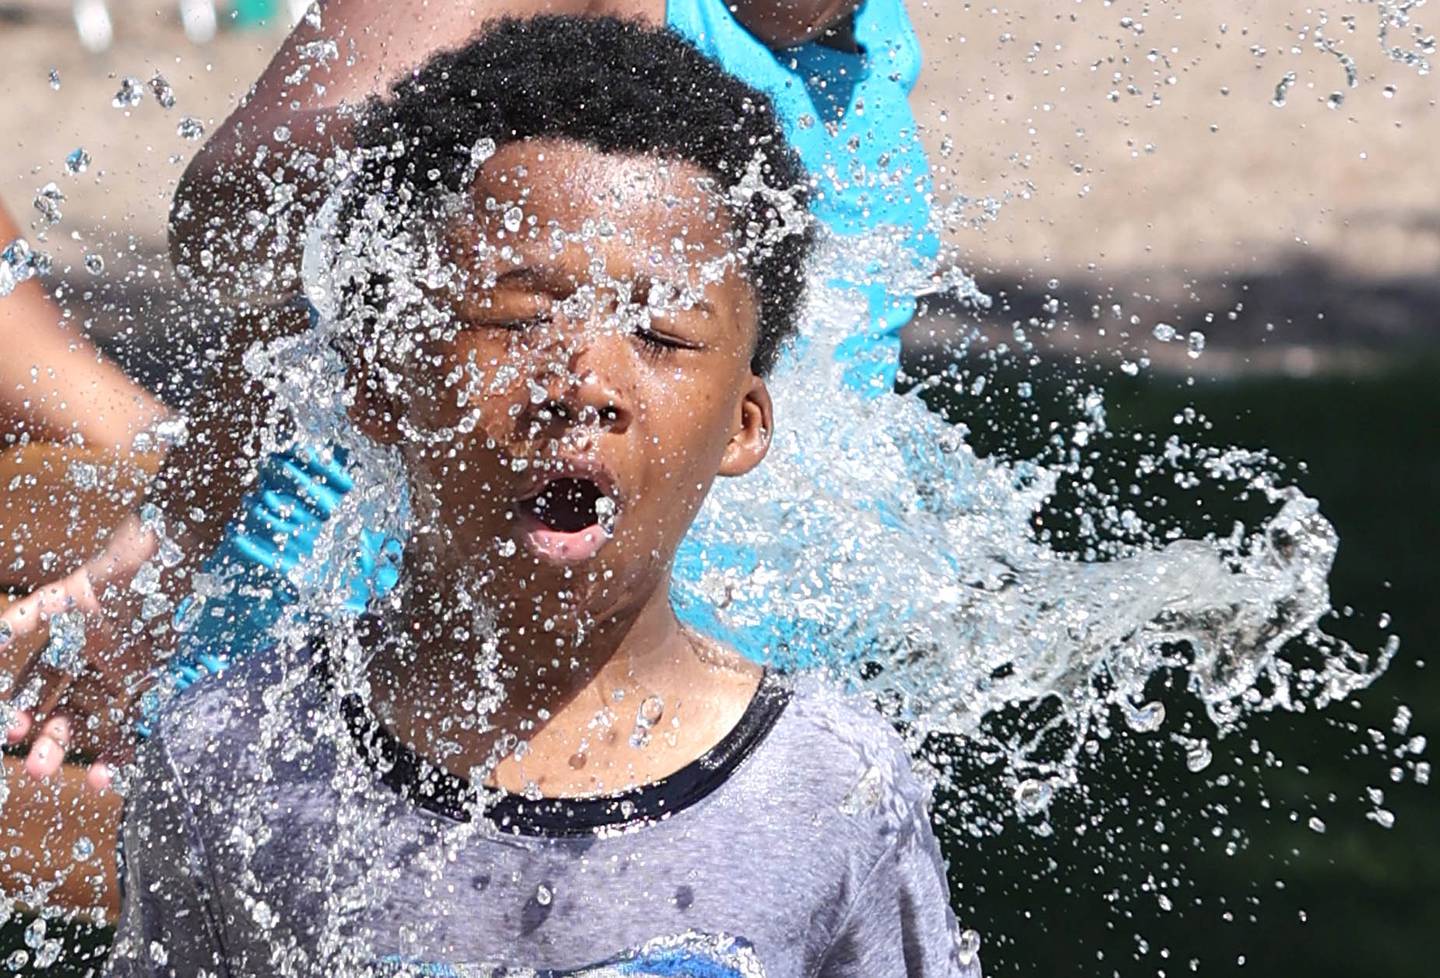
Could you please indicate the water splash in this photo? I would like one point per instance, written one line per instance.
(907, 565)
(911, 567)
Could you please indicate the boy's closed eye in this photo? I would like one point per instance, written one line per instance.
(538, 315)
(654, 343)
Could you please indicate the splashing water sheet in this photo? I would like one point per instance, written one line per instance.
(1019, 616)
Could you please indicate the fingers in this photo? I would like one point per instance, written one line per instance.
(20, 729)
(38, 690)
(73, 674)
(91, 719)
(118, 751)
(48, 752)
(54, 616)
(100, 777)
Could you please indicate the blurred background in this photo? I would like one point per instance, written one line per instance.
(1260, 174)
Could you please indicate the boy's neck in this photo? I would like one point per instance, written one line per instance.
(578, 708)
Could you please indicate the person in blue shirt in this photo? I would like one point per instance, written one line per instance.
(839, 72)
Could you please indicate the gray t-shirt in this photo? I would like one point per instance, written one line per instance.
(274, 828)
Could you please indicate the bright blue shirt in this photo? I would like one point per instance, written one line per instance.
(848, 116)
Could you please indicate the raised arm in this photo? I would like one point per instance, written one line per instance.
(240, 211)
(54, 383)
(786, 23)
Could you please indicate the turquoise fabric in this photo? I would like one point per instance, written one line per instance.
(849, 117)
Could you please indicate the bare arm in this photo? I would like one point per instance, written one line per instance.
(54, 383)
(786, 23)
(196, 490)
(239, 213)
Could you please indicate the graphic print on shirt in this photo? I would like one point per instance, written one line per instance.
(688, 955)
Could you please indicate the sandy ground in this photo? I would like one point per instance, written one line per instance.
(1133, 150)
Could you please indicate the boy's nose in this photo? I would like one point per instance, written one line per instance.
(586, 403)
(586, 395)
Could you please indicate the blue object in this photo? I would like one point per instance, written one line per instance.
(847, 115)
(259, 556)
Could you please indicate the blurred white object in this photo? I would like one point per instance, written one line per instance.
(198, 19)
(297, 9)
(92, 21)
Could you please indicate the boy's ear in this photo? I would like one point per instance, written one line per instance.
(374, 412)
(754, 424)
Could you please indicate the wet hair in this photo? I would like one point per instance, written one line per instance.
(620, 87)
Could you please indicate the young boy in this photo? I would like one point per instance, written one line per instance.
(839, 73)
(618, 275)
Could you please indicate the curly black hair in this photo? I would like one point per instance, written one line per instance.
(618, 86)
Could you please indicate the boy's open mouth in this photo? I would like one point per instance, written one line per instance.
(570, 518)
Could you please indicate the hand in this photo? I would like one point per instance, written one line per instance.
(78, 665)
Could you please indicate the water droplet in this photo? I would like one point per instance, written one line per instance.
(543, 895)
(1382, 817)
(281, 134)
(94, 264)
(55, 79)
(514, 218)
(66, 647)
(35, 933)
(190, 128)
(651, 709)
(606, 513)
(1145, 718)
(1198, 756)
(83, 849)
(162, 91)
(77, 162)
(1195, 344)
(1033, 797)
(968, 947)
(1164, 332)
(48, 954)
(1282, 89)
(1389, 91)
(1335, 100)
(866, 793)
(1401, 723)
(1317, 824)
(47, 201)
(131, 93)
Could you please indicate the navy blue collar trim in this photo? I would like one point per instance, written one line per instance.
(451, 796)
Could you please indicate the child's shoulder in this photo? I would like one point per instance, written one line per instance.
(844, 757)
(268, 694)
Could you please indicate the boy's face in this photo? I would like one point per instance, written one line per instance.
(602, 346)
